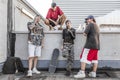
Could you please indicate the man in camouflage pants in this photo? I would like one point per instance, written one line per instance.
(68, 46)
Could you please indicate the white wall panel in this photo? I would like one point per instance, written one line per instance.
(78, 10)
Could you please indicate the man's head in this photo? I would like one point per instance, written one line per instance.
(90, 18)
(53, 5)
(68, 24)
(37, 18)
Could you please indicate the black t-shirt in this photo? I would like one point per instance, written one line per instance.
(68, 35)
(92, 32)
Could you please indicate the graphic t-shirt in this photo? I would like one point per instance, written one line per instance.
(36, 33)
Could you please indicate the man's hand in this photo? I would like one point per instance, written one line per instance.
(42, 46)
(55, 23)
(42, 43)
(84, 34)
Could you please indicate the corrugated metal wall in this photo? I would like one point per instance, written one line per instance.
(77, 10)
(3, 31)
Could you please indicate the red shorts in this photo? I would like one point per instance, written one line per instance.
(89, 56)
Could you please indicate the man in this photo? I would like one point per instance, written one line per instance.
(55, 17)
(35, 43)
(90, 52)
(68, 46)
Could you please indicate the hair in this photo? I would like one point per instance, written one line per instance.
(67, 21)
(94, 20)
(97, 28)
(53, 4)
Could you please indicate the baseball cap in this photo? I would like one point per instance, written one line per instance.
(90, 17)
(53, 4)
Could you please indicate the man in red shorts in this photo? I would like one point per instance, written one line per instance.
(90, 52)
(55, 16)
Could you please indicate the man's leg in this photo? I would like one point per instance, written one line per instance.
(65, 51)
(35, 66)
(62, 21)
(95, 66)
(68, 65)
(31, 49)
(95, 63)
(83, 59)
(65, 54)
(70, 60)
(93, 73)
(81, 73)
(35, 61)
(37, 54)
(83, 66)
(47, 22)
(30, 62)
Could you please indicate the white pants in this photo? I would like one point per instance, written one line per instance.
(34, 50)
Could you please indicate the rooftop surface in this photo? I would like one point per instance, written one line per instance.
(59, 75)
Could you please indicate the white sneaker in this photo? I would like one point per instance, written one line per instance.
(55, 28)
(35, 71)
(92, 74)
(29, 73)
(80, 74)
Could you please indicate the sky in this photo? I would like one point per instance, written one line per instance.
(41, 6)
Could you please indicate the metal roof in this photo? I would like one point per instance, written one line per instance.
(78, 10)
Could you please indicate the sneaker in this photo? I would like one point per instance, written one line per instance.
(92, 74)
(29, 73)
(55, 28)
(80, 74)
(35, 71)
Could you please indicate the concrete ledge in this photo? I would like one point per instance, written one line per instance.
(103, 64)
(59, 32)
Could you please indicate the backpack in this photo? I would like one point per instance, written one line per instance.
(12, 65)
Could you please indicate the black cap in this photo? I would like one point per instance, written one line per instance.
(90, 17)
(53, 4)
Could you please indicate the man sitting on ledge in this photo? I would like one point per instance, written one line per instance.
(55, 17)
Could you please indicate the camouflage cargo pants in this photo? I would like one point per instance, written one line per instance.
(68, 52)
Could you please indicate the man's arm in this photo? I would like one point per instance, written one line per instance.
(53, 21)
(59, 17)
(84, 34)
(43, 34)
(73, 33)
(87, 30)
(42, 43)
(61, 14)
